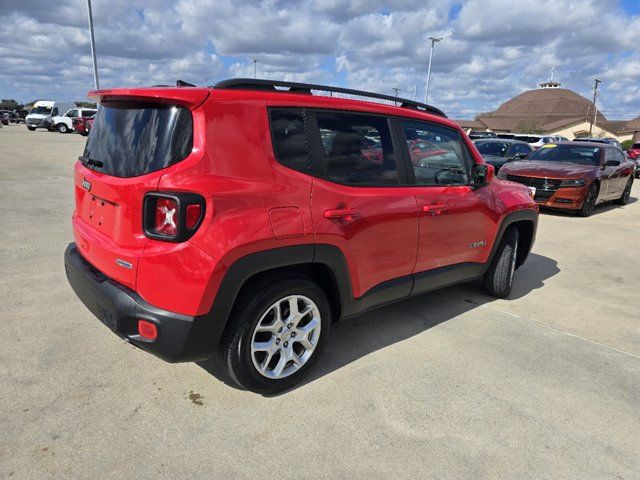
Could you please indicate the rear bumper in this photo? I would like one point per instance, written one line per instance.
(181, 338)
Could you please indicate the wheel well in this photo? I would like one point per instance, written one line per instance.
(525, 239)
(320, 273)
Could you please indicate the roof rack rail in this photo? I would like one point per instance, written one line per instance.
(305, 88)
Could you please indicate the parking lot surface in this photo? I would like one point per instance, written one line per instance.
(453, 384)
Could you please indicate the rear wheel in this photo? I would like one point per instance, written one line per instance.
(589, 201)
(624, 199)
(62, 128)
(32, 129)
(498, 280)
(278, 329)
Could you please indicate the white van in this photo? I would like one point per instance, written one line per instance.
(64, 123)
(42, 111)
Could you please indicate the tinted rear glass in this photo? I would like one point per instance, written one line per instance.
(132, 139)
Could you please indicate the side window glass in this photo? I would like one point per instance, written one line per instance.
(518, 148)
(72, 113)
(289, 138)
(436, 154)
(54, 112)
(620, 156)
(357, 149)
(608, 155)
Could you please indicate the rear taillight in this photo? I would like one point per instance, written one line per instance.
(194, 212)
(172, 217)
(166, 216)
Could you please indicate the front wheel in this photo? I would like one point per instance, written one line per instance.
(62, 128)
(278, 329)
(589, 201)
(498, 281)
(31, 129)
(626, 193)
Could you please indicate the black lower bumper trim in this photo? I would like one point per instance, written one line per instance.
(181, 338)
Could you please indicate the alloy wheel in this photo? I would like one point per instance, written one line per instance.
(285, 337)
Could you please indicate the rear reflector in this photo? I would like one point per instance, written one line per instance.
(147, 330)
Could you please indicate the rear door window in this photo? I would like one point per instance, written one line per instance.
(131, 139)
(357, 149)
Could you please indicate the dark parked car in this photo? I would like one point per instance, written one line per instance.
(475, 134)
(18, 115)
(499, 151)
(5, 115)
(607, 140)
(574, 175)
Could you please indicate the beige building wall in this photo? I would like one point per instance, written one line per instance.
(583, 128)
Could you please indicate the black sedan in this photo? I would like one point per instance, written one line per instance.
(498, 151)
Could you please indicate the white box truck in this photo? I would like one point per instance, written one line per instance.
(44, 110)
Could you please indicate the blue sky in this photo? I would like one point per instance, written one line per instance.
(491, 49)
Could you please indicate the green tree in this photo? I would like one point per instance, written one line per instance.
(8, 104)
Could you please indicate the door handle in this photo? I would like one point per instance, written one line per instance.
(434, 208)
(346, 214)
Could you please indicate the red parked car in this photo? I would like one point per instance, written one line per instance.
(82, 125)
(242, 220)
(634, 154)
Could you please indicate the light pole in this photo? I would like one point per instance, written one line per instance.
(396, 90)
(96, 82)
(595, 109)
(434, 40)
(255, 63)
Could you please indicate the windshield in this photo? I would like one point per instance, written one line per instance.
(567, 153)
(41, 110)
(131, 139)
(636, 146)
(496, 149)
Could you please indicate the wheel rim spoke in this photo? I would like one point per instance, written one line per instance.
(275, 337)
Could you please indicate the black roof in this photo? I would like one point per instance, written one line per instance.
(305, 88)
(498, 140)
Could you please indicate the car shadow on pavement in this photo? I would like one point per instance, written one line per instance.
(359, 336)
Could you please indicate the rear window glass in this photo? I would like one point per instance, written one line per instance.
(289, 138)
(636, 145)
(131, 139)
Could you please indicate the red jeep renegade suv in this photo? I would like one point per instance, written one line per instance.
(241, 220)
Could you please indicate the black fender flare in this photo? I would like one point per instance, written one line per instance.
(529, 215)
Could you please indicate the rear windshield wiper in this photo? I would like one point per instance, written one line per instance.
(89, 162)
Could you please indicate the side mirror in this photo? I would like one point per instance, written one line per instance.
(481, 174)
(612, 163)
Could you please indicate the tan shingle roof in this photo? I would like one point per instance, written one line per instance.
(549, 108)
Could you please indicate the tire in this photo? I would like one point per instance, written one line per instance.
(498, 280)
(62, 128)
(589, 201)
(31, 129)
(626, 193)
(255, 325)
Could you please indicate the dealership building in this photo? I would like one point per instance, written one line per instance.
(553, 110)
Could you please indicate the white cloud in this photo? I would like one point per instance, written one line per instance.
(491, 49)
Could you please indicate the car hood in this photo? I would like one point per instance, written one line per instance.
(493, 159)
(533, 168)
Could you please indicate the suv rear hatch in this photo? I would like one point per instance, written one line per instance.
(136, 135)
